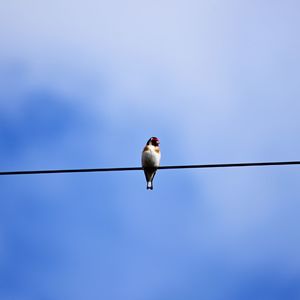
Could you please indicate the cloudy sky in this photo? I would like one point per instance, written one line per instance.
(84, 84)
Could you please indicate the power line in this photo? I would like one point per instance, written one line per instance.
(203, 166)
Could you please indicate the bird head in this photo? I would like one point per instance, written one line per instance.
(153, 141)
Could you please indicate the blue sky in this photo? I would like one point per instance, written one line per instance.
(85, 84)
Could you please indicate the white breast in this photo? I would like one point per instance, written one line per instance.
(150, 158)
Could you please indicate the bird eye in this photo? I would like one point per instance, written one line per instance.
(155, 141)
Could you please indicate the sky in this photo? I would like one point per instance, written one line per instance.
(84, 84)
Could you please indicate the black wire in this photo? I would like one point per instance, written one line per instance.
(204, 166)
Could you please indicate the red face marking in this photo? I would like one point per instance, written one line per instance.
(155, 141)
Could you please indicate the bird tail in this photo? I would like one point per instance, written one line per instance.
(149, 174)
(149, 185)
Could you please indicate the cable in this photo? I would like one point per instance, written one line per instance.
(204, 166)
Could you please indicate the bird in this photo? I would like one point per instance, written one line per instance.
(151, 160)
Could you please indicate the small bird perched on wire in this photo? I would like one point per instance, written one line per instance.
(151, 160)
